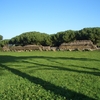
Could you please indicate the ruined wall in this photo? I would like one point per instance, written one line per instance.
(76, 45)
(80, 45)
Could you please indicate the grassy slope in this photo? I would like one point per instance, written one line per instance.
(50, 75)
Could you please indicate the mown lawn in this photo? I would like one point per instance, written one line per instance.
(50, 75)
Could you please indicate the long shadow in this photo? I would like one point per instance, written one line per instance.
(62, 58)
(8, 58)
(94, 69)
(69, 94)
(63, 68)
(4, 59)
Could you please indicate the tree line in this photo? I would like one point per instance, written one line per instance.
(45, 39)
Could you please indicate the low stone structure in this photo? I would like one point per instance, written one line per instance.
(5, 48)
(54, 48)
(78, 45)
(46, 48)
(22, 48)
(16, 48)
(31, 47)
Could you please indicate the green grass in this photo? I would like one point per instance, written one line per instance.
(50, 75)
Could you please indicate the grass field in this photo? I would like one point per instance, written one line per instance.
(50, 75)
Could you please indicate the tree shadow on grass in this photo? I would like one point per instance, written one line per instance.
(53, 67)
(57, 90)
(8, 58)
(4, 59)
(69, 94)
(94, 69)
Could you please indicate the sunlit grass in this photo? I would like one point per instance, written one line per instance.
(50, 75)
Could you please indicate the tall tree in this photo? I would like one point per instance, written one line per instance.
(4, 42)
(1, 37)
(34, 37)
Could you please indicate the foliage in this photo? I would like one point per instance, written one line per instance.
(31, 38)
(50, 75)
(57, 39)
(92, 34)
(1, 37)
(4, 42)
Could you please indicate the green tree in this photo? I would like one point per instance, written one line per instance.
(38, 38)
(68, 36)
(1, 37)
(4, 42)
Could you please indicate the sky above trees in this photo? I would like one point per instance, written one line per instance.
(49, 16)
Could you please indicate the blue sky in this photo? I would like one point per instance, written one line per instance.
(49, 16)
